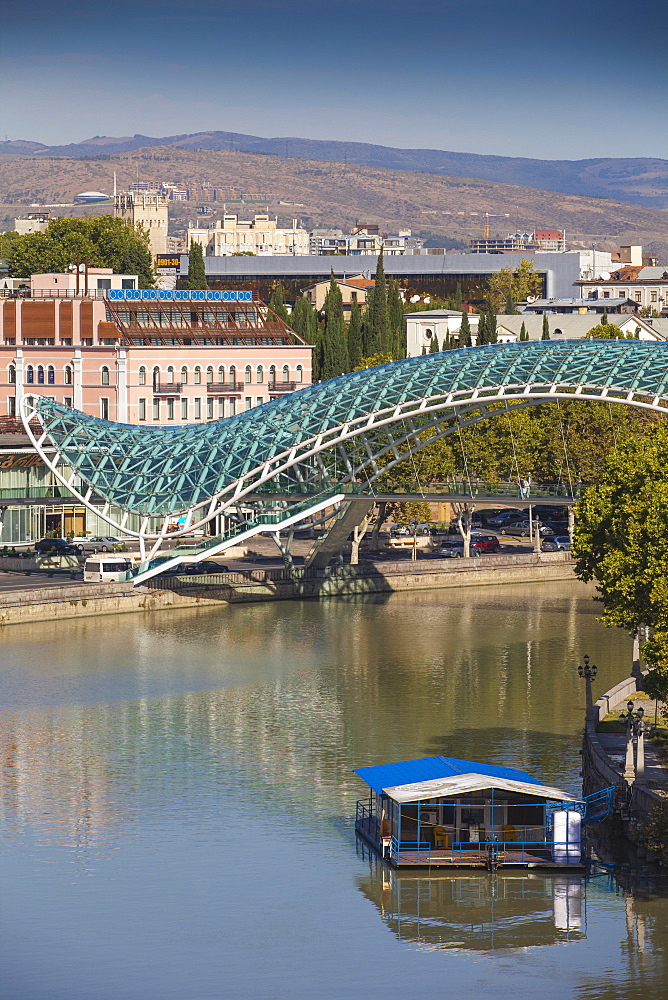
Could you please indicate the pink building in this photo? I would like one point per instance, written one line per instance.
(159, 357)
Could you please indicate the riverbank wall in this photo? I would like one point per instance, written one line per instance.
(77, 600)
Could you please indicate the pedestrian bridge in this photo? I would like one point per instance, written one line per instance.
(327, 440)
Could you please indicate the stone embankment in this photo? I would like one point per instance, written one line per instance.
(79, 600)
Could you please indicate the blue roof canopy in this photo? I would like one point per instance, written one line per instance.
(409, 772)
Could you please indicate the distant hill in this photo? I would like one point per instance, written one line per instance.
(447, 210)
(637, 180)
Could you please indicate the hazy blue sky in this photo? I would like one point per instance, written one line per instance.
(560, 80)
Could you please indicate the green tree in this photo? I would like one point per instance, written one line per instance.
(277, 304)
(334, 350)
(482, 330)
(523, 332)
(397, 321)
(506, 286)
(304, 320)
(376, 329)
(605, 331)
(373, 361)
(621, 541)
(355, 336)
(417, 511)
(196, 270)
(101, 241)
(546, 328)
(465, 331)
(433, 345)
(491, 326)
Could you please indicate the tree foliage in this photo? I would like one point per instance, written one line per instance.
(545, 335)
(506, 287)
(334, 344)
(621, 542)
(196, 269)
(465, 331)
(355, 336)
(606, 331)
(277, 303)
(101, 241)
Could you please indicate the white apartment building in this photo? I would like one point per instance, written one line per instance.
(646, 286)
(260, 236)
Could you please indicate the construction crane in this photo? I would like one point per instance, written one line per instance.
(487, 216)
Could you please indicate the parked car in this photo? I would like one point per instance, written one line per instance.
(505, 517)
(523, 529)
(99, 543)
(453, 548)
(59, 546)
(200, 568)
(484, 518)
(560, 543)
(485, 543)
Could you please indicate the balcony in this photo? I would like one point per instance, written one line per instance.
(275, 387)
(227, 388)
(167, 388)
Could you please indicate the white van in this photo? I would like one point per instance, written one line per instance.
(106, 569)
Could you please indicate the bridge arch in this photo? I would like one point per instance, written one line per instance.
(330, 434)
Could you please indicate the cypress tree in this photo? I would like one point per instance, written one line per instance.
(604, 318)
(523, 332)
(355, 336)
(277, 305)
(465, 331)
(377, 336)
(482, 330)
(304, 321)
(510, 305)
(433, 345)
(196, 269)
(334, 344)
(491, 326)
(457, 300)
(397, 321)
(546, 328)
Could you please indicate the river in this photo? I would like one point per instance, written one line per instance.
(177, 803)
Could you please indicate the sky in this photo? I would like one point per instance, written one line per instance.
(565, 80)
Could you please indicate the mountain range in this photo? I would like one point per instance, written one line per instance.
(635, 180)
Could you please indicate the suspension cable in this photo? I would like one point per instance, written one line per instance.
(563, 438)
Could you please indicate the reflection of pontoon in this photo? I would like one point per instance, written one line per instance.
(476, 912)
(440, 811)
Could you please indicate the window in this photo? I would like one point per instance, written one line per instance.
(233, 407)
(11, 406)
(260, 400)
(156, 408)
(40, 375)
(104, 375)
(127, 283)
(170, 408)
(249, 403)
(221, 374)
(652, 296)
(198, 409)
(272, 375)
(638, 296)
(622, 293)
(104, 408)
(142, 409)
(286, 373)
(247, 375)
(233, 375)
(68, 401)
(51, 375)
(209, 409)
(12, 375)
(198, 375)
(156, 378)
(142, 376)
(606, 295)
(68, 375)
(209, 375)
(170, 375)
(184, 376)
(87, 341)
(221, 407)
(66, 341)
(184, 408)
(103, 283)
(299, 377)
(259, 375)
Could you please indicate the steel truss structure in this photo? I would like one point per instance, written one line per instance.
(328, 438)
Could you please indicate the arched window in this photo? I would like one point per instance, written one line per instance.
(198, 375)
(233, 374)
(68, 375)
(272, 375)
(209, 375)
(40, 375)
(248, 374)
(104, 373)
(221, 374)
(51, 375)
(184, 376)
(142, 375)
(299, 377)
(30, 375)
(12, 375)
(170, 375)
(259, 375)
(286, 373)
(156, 378)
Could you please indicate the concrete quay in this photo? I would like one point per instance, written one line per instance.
(77, 600)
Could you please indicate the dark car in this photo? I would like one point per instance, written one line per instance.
(202, 567)
(57, 546)
(523, 529)
(505, 517)
(484, 518)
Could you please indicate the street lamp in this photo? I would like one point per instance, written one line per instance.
(589, 673)
(635, 726)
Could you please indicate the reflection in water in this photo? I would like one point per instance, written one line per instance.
(226, 738)
(474, 912)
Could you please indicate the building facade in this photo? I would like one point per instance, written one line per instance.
(355, 289)
(148, 210)
(154, 357)
(647, 287)
(260, 236)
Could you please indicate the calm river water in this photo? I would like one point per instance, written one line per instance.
(177, 799)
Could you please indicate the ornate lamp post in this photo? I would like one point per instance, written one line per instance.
(635, 726)
(589, 673)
